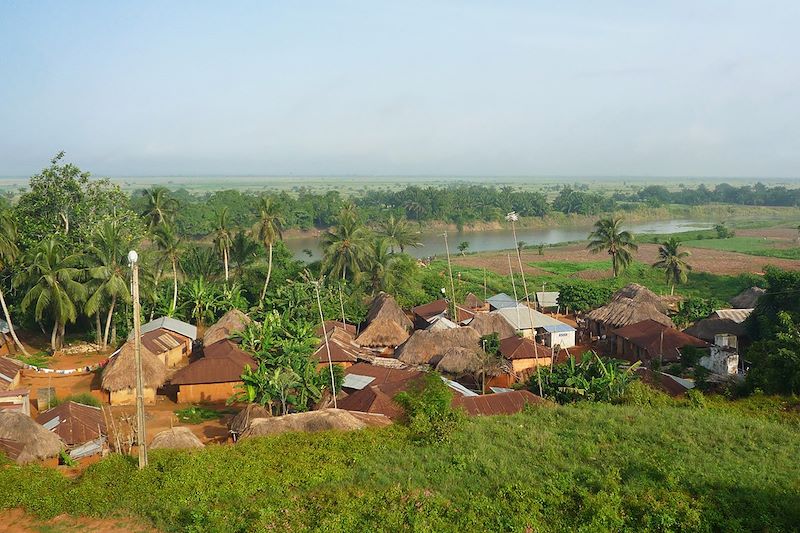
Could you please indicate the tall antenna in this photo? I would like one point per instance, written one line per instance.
(141, 429)
(327, 346)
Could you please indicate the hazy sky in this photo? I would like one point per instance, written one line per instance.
(437, 88)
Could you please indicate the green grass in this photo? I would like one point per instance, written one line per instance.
(746, 245)
(588, 467)
(196, 414)
(565, 268)
(38, 359)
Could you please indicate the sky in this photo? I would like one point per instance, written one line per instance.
(496, 88)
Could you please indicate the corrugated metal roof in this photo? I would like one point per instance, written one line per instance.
(171, 324)
(501, 300)
(520, 318)
(558, 328)
(505, 403)
(430, 310)
(356, 381)
(8, 371)
(547, 299)
(222, 362)
(74, 422)
(736, 315)
(458, 387)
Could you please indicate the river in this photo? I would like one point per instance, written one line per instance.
(503, 239)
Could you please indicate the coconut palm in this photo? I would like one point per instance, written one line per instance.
(223, 238)
(398, 232)
(170, 246)
(672, 261)
(344, 247)
(54, 289)
(160, 207)
(107, 261)
(202, 301)
(270, 230)
(243, 251)
(609, 236)
(8, 253)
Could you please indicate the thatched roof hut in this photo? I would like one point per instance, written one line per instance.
(473, 302)
(311, 422)
(33, 441)
(488, 323)
(231, 322)
(629, 305)
(177, 438)
(243, 418)
(387, 324)
(459, 360)
(429, 347)
(748, 298)
(120, 374)
(384, 306)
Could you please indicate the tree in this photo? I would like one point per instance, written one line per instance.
(243, 251)
(345, 246)
(672, 261)
(609, 236)
(270, 230)
(398, 232)
(593, 379)
(8, 253)
(776, 360)
(106, 259)
(170, 246)
(222, 237)
(202, 301)
(462, 247)
(160, 207)
(54, 289)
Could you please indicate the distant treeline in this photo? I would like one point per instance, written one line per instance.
(460, 205)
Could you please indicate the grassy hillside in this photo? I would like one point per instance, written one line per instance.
(594, 467)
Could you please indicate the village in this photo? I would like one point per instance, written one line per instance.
(186, 368)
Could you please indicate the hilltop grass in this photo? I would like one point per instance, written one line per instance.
(590, 467)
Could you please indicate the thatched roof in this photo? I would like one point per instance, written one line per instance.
(384, 306)
(313, 421)
(459, 360)
(621, 313)
(488, 323)
(425, 347)
(243, 418)
(120, 374)
(640, 294)
(381, 333)
(748, 298)
(177, 438)
(708, 328)
(36, 441)
(231, 322)
(473, 302)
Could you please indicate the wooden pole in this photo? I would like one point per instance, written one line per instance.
(452, 287)
(327, 345)
(141, 424)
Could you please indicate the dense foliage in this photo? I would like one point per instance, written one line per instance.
(591, 378)
(428, 410)
(758, 194)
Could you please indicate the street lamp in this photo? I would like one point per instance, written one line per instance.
(141, 431)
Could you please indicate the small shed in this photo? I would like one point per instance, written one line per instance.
(119, 376)
(75, 423)
(169, 338)
(524, 354)
(548, 300)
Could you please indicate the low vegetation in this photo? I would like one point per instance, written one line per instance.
(586, 466)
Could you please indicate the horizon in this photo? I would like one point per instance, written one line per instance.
(437, 89)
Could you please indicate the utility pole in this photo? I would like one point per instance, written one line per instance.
(141, 431)
(327, 345)
(452, 287)
(513, 217)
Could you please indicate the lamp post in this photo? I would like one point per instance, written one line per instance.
(452, 287)
(141, 430)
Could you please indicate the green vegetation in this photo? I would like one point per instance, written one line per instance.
(608, 236)
(196, 414)
(588, 379)
(588, 466)
(673, 262)
(428, 410)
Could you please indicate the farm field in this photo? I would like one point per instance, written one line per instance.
(549, 469)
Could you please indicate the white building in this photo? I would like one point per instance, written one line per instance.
(548, 330)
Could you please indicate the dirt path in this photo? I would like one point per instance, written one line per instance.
(17, 521)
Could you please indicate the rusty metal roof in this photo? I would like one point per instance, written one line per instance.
(504, 403)
(222, 362)
(74, 422)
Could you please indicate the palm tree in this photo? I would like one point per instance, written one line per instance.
(609, 236)
(201, 301)
(170, 246)
(160, 207)
(108, 272)
(242, 252)
(671, 260)
(344, 247)
(8, 253)
(398, 232)
(270, 230)
(54, 287)
(222, 238)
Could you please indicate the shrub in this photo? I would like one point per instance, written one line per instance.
(696, 399)
(643, 395)
(429, 411)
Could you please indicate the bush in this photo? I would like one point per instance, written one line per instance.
(696, 399)
(643, 395)
(429, 411)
